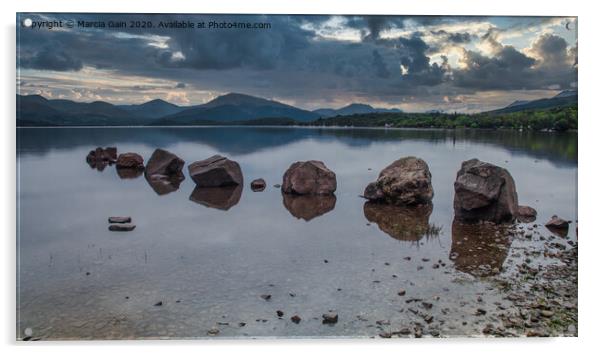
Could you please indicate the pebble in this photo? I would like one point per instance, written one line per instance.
(279, 313)
(401, 292)
(266, 297)
(213, 331)
(296, 319)
(330, 318)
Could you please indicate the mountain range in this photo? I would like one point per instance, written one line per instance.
(232, 108)
(564, 98)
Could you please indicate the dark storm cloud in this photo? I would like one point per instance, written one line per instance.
(379, 65)
(455, 38)
(419, 67)
(511, 69)
(50, 58)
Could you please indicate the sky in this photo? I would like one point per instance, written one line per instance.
(414, 63)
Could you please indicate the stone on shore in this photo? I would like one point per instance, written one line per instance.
(558, 226)
(484, 192)
(557, 223)
(406, 181)
(258, 185)
(526, 213)
(216, 171)
(122, 227)
(309, 178)
(120, 219)
(130, 160)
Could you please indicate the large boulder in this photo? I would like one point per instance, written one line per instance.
(309, 178)
(406, 181)
(130, 160)
(484, 192)
(216, 171)
(163, 162)
(164, 171)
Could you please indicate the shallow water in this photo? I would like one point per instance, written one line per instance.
(210, 258)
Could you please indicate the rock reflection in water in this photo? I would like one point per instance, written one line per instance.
(164, 184)
(403, 223)
(307, 207)
(479, 249)
(98, 165)
(129, 173)
(222, 198)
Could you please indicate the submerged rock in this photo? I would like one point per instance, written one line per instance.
(526, 213)
(120, 219)
(222, 198)
(130, 160)
(307, 207)
(484, 192)
(309, 178)
(479, 249)
(216, 171)
(404, 223)
(122, 227)
(258, 185)
(406, 181)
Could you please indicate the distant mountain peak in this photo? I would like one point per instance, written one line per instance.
(358, 105)
(353, 108)
(238, 99)
(567, 93)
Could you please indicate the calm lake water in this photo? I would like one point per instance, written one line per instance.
(209, 259)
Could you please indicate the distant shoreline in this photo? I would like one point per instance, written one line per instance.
(330, 127)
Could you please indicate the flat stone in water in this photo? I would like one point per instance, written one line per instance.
(122, 227)
(120, 219)
(330, 318)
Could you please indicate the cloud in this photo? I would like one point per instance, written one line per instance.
(546, 64)
(51, 59)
